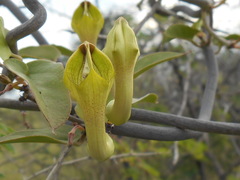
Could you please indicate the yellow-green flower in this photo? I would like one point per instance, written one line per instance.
(122, 49)
(89, 75)
(87, 22)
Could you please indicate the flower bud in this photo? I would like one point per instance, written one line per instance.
(122, 49)
(87, 22)
(89, 75)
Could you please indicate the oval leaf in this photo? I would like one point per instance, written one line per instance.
(5, 52)
(45, 79)
(152, 60)
(40, 136)
(180, 31)
(150, 98)
(41, 52)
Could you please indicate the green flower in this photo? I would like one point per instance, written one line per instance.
(89, 75)
(87, 22)
(122, 49)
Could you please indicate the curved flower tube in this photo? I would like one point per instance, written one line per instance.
(122, 49)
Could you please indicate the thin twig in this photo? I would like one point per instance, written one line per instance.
(218, 167)
(181, 110)
(210, 30)
(185, 89)
(145, 19)
(75, 119)
(57, 166)
(175, 158)
(173, 12)
(235, 145)
(203, 4)
(187, 10)
(24, 155)
(75, 161)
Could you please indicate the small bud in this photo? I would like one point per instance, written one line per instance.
(89, 76)
(87, 22)
(122, 49)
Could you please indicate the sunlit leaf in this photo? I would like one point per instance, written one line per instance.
(147, 62)
(5, 52)
(180, 31)
(45, 79)
(40, 136)
(150, 98)
(40, 52)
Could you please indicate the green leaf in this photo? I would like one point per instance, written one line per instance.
(150, 98)
(151, 60)
(41, 52)
(45, 79)
(5, 51)
(40, 136)
(180, 31)
(233, 37)
(198, 25)
(64, 51)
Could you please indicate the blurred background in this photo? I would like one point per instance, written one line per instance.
(185, 160)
